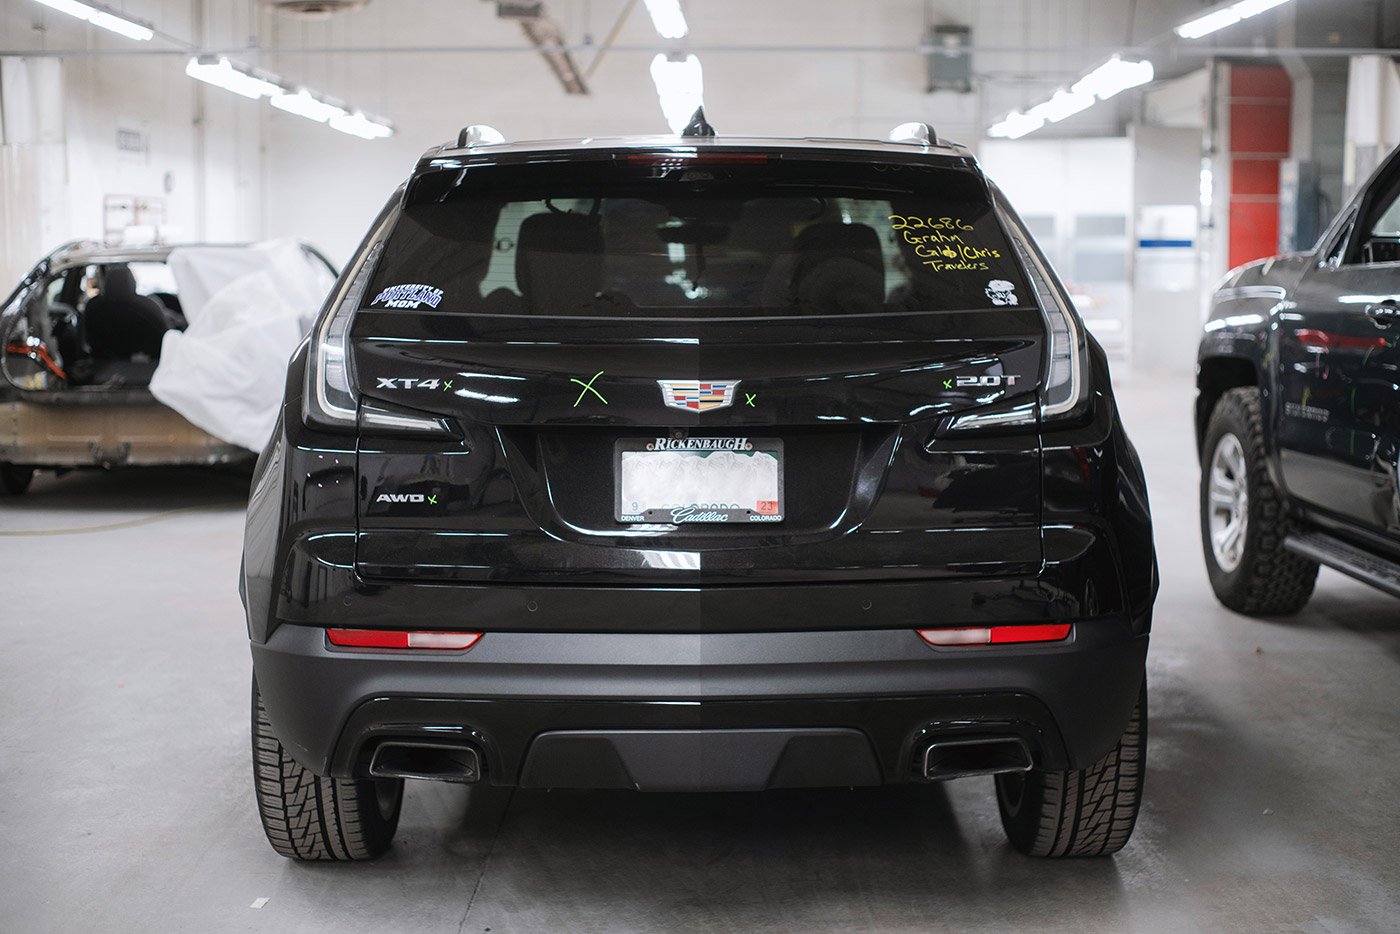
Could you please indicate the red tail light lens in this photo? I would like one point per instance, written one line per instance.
(996, 635)
(391, 639)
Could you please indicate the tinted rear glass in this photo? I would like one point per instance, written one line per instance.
(628, 237)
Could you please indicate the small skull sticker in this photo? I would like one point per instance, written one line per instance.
(1001, 292)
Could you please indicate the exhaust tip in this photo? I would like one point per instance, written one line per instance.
(959, 758)
(441, 762)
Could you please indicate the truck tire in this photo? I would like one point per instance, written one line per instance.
(1244, 519)
(14, 479)
(308, 817)
(1079, 812)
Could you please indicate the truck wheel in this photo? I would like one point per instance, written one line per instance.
(309, 817)
(1079, 812)
(1243, 516)
(14, 479)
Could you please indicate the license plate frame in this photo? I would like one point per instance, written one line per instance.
(723, 510)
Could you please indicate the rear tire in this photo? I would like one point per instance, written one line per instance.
(308, 817)
(1079, 812)
(14, 478)
(1244, 518)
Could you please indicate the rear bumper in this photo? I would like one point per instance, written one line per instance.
(829, 694)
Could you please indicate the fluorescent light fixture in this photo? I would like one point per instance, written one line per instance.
(667, 17)
(238, 78)
(1016, 125)
(680, 84)
(1225, 16)
(1063, 104)
(365, 127)
(255, 84)
(1110, 78)
(304, 104)
(102, 16)
(1113, 76)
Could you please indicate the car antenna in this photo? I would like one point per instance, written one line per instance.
(479, 134)
(697, 125)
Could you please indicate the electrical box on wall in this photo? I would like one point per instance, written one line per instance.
(949, 59)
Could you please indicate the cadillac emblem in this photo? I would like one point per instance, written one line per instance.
(694, 395)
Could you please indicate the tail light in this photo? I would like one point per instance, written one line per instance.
(1065, 388)
(329, 400)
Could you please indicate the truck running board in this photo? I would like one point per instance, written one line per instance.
(1352, 561)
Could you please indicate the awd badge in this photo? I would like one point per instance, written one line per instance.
(691, 395)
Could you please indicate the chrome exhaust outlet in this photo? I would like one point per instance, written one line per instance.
(958, 758)
(441, 762)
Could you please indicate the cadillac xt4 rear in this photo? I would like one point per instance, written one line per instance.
(698, 465)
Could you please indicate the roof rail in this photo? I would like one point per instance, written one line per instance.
(697, 125)
(479, 134)
(920, 133)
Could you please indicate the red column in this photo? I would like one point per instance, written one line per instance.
(1260, 110)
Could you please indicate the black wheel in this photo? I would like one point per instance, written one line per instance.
(1243, 517)
(309, 817)
(1080, 812)
(14, 478)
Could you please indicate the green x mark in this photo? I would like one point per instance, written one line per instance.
(749, 397)
(433, 500)
(446, 385)
(947, 384)
(587, 388)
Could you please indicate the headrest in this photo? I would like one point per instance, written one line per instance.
(117, 280)
(840, 269)
(559, 262)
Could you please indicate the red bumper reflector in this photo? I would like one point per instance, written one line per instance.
(390, 639)
(996, 635)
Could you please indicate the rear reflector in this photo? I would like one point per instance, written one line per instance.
(389, 639)
(996, 635)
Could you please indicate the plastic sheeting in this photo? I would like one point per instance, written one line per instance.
(248, 308)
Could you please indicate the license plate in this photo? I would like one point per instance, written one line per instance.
(698, 480)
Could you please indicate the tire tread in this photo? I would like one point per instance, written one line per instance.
(1270, 580)
(310, 817)
(1085, 812)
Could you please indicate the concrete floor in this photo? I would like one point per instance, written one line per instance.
(127, 798)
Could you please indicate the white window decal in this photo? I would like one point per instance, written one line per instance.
(412, 295)
(1001, 292)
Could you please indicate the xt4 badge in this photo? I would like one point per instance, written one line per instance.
(693, 395)
(396, 383)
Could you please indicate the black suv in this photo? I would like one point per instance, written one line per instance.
(696, 463)
(1298, 412)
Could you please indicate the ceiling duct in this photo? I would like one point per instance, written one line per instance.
(548, 36)
(313, 8)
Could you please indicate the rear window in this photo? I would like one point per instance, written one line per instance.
(638, 236)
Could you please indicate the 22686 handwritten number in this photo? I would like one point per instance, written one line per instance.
(901, 222)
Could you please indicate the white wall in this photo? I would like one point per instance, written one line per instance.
(328, 187)
(201, 160)
(241, 170)
(1083, 189)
